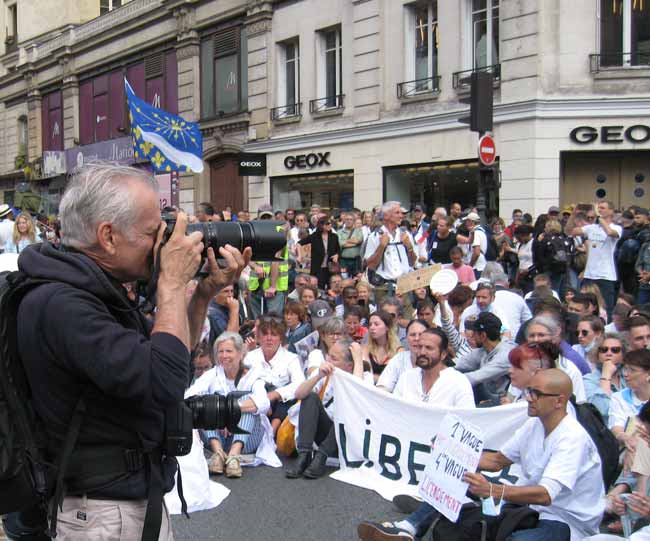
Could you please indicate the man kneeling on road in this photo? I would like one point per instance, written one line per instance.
(561, 473)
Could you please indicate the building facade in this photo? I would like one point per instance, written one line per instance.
(352, 102)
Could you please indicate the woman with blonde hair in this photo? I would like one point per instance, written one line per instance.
(383, 343)
(24, 234)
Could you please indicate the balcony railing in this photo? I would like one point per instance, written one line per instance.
(418, 87)
(293, 110)
(330, 103)
(612, 61)
(461, 80)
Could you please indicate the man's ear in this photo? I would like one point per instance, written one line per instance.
(106, 237)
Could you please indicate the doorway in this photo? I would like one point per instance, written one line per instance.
(226, 186)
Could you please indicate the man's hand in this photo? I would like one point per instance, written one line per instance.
(270, 292)
(180, 257)
(384, 239)
(405, 238)
(232, 304)
(325, 369)
(639, 504)
(357, 352)
(218, 277)
(478, 484)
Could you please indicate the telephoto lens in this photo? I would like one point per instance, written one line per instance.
(266, 238)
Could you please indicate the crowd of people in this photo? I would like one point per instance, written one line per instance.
(544, 311)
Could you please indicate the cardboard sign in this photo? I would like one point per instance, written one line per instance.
(456, 451)
(418, 278)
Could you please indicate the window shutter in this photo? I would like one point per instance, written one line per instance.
(226, 42)
(154, 66)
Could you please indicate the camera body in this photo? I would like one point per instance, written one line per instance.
(212, 412)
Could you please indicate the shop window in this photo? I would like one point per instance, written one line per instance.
(108, 5)
(224, 78)
(624, 33)
(421, 65)
(330, 71)
(484, 32)
(332, 191)
(288, 80)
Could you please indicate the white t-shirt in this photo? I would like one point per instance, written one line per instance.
(567, 464)
(600, 256)
(571, 370)
(451, 389)
(395, 260)
(314, 359)
(400, 363)
(479, 239)
(513, 308)
(283, 370)
(623, 405)
(6, 231)
(525, 255)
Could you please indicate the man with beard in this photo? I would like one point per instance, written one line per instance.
(432, 380)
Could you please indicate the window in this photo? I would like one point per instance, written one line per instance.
(624, 32)
(52, 121)
(485, 33)
(22, 136)
(330, 73)
(421, 48)
(224, 73)
(288, 80)
(11, 39)
(108, 5)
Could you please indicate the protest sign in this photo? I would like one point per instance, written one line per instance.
(385, 441)
(417, 278)
(305, 346)
(457, 450)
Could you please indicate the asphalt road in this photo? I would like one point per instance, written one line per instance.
(265, 506)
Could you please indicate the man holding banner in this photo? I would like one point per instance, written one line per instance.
(561, 474)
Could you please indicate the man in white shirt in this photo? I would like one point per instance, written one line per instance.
(389, 251)
(510, 304)
(6, 225)
(431, 380)
(478, 242)
(484, 301)
(601, 240)
(561, 473)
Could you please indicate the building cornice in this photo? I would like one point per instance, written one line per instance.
(573, 108)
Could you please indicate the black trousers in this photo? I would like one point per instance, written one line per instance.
(315, 426)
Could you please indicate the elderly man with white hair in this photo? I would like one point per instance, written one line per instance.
(390, 252)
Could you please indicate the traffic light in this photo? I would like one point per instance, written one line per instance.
(481, 102)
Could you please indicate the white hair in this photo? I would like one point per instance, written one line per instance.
(97, 192)
(549, 323)
(388, 206)
(441, 212)
(235, 337)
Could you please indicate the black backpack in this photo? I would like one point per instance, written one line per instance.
(558, 252)
(592, 421)
(492, 249)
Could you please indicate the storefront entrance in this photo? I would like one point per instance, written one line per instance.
(332, 191)
(620, 177)
(226, 186)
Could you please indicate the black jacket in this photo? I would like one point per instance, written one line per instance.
(81, 333)
(318, 248)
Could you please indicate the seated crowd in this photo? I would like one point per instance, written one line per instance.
(523, 324)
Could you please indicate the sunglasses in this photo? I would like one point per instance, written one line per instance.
(591, 218)
(536, 394)
(613, 349)
(583, 333)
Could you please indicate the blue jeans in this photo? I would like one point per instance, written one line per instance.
(608, 290)
(422, 518)
(547, 530)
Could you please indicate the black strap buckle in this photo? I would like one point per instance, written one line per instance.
(133, 459)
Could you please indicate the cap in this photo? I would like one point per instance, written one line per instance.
(568, 210)
(418, 207)
(320, 311)
(553, 210)
(473, 216)
(4, 210)
(265, 210)
(486, 322)
(639, 210)
(403, 209)
(628, 215)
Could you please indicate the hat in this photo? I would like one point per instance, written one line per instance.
(320, 311)
(553, 210)
(264, 210)
(4, 210)
(639, 210)
(568, 210)
(418, 207)
(473, 216)
(628, 215)
(403, 209)
(485, 322)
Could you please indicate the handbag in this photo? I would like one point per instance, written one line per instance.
(286, 436)
(334, 267)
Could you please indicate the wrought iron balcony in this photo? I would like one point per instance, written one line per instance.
(612, 61)
(329, 103)
(418, 87)
(461, 80)
(293, 110)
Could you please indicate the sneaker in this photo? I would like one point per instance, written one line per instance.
(233, 467)
(386, 531)
(407, 503)
(216, 462)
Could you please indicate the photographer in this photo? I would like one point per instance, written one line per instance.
(101, 374)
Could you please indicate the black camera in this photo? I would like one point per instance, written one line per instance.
(267, 238)
(212, 412)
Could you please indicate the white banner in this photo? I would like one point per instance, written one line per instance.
(385, 441)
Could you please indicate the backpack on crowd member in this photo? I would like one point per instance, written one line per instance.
(592, 421)
(473, 525)
(557, 252)
(492, 250)
(627, 251)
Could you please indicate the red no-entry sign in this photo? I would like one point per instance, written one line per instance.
(487, 150)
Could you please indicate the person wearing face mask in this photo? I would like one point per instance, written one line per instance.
(404, 360)
(431, 380)
(590, 329)
(606, 377)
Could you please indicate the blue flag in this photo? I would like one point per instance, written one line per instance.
(168, 141)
